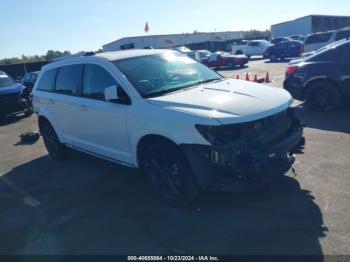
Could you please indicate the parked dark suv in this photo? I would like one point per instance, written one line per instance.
(14, 97)
(323, 79)
(284, 50)
(29, 79)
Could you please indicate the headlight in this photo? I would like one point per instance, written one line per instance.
(220, 135)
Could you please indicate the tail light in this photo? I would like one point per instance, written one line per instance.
(290, 70)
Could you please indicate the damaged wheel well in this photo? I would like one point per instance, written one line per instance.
(148, 140)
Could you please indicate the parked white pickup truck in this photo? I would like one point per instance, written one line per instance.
(250, 48)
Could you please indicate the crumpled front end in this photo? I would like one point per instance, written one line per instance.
(258, 151)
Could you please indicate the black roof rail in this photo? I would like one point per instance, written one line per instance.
(89, 53)
(80, 54)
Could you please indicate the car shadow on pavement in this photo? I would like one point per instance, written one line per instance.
(90, 206)
(10, 119)
(337, 121)
(283, 61)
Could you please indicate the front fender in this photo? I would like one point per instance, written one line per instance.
(144, 118)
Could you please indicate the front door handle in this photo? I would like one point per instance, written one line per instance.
(83, 107)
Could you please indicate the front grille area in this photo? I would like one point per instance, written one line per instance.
(270, 129)
(259, 142)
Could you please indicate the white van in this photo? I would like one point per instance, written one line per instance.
(316, 41)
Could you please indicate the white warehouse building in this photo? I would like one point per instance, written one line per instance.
(309, 25)
(202, 40)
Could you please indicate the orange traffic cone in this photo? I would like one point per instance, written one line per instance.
(256, 78)
(267, 78)
(237, 77)
(247, 77)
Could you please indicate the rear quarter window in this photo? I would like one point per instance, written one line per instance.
(319, 38)
(342, 34)
(47, 81)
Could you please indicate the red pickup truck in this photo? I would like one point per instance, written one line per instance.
(224, 59)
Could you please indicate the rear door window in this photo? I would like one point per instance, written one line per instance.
(318, 38)
(47, 81)
(69, 80)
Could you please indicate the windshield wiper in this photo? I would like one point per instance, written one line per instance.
(208, 81)
(161, 92)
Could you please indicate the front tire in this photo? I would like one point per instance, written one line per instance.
(55, 148)
(273, 58)
(322, 96)
(29, 110)
(169, 173)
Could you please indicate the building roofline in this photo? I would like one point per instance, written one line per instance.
(160, 35)
(312, 15)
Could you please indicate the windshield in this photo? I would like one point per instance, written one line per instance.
(329, 46)
(6, 80)
(159, 74)
(204, 53)
(325, 51)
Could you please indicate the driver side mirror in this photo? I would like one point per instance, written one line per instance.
(116, 94)
(111, 93)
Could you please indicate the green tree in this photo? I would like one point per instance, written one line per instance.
(50, 55)
(251, 34)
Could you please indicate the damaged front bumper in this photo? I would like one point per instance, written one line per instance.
(249, 162)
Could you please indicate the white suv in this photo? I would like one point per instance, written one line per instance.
(185, 125)
(316, 41)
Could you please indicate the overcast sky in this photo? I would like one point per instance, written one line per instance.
(32, 27)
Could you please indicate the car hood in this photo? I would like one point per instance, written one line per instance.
(15, 88)
(229, 101)
(297, 61)
(308, 54)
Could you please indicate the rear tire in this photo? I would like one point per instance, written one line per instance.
(322, 96)
(230, 65)
(169, 173)
(55, 148)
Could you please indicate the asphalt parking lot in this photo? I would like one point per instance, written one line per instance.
(90, 206)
